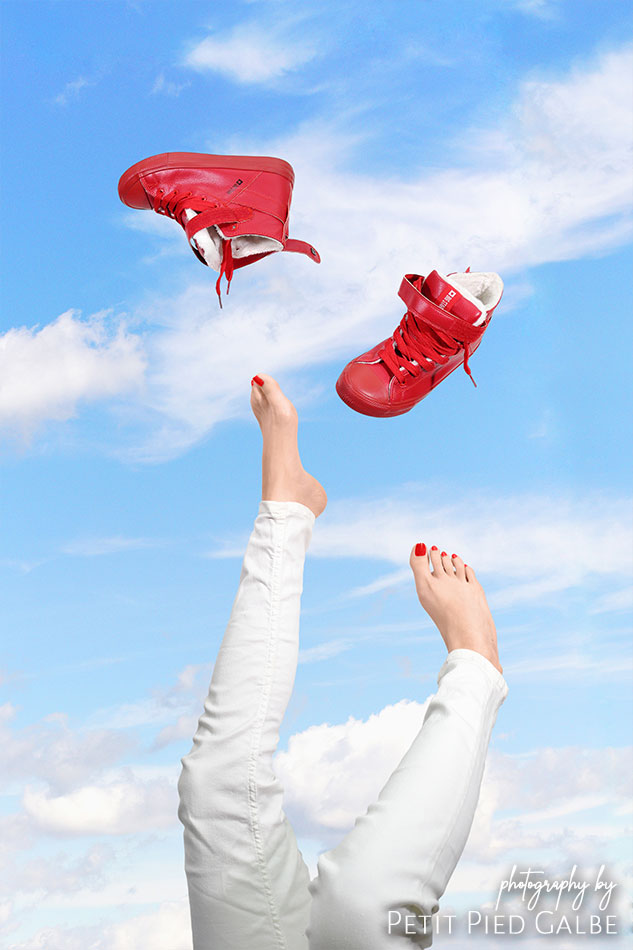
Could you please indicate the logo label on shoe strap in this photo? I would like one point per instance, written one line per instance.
(447, 300)
(236, 184)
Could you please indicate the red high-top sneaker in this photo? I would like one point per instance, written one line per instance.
(233, 208)
(445, 320)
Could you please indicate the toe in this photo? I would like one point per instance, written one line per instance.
(471, 577)
(436, 560)
(447, 564)
(257, 397)
(419, 562)
(458, 564)
(267, 387)
(275, 398)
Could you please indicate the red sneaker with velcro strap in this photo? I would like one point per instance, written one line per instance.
(233, 208)
(445, 320)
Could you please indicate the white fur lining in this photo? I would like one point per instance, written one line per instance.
(483, 290)
(209, 243)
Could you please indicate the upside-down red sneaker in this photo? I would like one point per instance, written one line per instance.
(234, 208)
(445, 320)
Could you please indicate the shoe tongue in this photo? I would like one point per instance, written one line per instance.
(448, 296)
(210, 243)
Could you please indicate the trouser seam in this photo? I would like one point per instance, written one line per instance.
(253, 800)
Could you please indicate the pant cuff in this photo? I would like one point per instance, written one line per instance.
(278, 510)
(465, 658)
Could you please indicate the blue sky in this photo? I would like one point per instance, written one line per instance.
(423, 134)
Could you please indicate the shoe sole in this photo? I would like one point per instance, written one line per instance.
(348, 398)
(165, 160)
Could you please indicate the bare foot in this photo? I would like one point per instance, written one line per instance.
(455, 601)
(283, 476)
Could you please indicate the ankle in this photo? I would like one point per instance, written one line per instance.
(478, 655)
(474, 645)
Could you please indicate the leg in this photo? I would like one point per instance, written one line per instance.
(379, 888)
(248, 884)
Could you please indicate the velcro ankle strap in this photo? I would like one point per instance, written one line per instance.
(300, 247)
(433, 315)
(218, 215)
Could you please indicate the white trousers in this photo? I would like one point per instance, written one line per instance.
(249, 888)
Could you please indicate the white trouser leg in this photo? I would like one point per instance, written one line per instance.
(248, 884)
(398, 858)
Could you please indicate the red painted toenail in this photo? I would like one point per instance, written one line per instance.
(444, 554)
(258, 380)
(453, 555)
(420, 550)
(434, 548)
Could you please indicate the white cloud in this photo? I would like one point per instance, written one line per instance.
(74, 782)
(158, 226)
(72, 89)
(574, 665)
(21, 565)
(168, 87)
(173, 705)
(183, 727)
(251, 53)
(166, 928)
(533, 546)
(385, 582)
(325, 651)
(95, 547)
(46, 373)
(331, 773)
(149, 710)
(16, 834)
(585, 106)
(50, 750)
(551, 803)
(59, 938)
(58, 874)
(544, 9)
(615, 601)
(128, 806)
